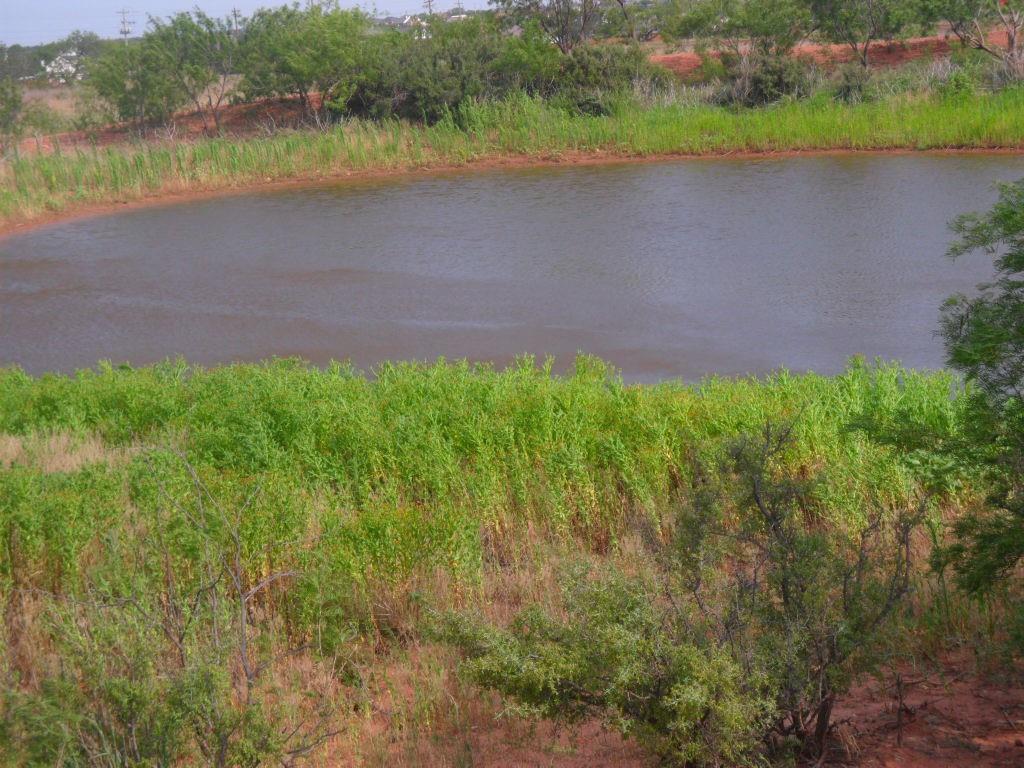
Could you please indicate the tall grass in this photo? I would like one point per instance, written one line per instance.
(520, 126)
(364, 479)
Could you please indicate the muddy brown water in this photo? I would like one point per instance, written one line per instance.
(675, 269)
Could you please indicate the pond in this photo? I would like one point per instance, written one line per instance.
(669, 269)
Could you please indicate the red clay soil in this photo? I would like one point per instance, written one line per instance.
(951, 717)
(236, 120)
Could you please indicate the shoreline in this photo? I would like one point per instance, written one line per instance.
(496, 162)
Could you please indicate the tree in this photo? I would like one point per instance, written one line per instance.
(312, 54)
(82, 44)
(18, 61)
(859, 23)
(10, 112)
(745, 27)
(201, 54)
(566, 22)
(632, 19)
(755, 38)
(426, 78)
(134, 82)
(984, 339)
(973, 21)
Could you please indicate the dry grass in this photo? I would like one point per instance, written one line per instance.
(58, 98)
(60, 452)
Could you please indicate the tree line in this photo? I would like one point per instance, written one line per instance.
(338, 62)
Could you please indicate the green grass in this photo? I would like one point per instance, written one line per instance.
(35, 185)
(358, 480)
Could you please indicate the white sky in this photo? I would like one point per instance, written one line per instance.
(39, 21)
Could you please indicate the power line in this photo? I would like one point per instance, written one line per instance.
(126, 24)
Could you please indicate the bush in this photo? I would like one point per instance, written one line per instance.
(852, 82)
(591, 77)
(760, 79)
(756, 618)
(10, 112)
(160, 655)
(958, 84)
(427, 79)
(38, 119)
(135, 85)
(289, 51)
(406, 76)
(622, 655)
(984, 340)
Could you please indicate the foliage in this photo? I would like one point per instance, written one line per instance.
(38, 119)
(11, 105)
(304, 52)
(427, 78)
(199, 53)
(568, 23)
(638, 20)
(984, 337)
(132, 81)
(621, 655)
(764, 79)
(757, 621)
(859, 23)
(766, 28)
(248, 511)
(147, 644)
(973, 22)
(852, 83)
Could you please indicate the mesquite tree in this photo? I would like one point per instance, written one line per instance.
(993, 26)
(984, 337)
(859, 23)
(566, 22)
(201, 54)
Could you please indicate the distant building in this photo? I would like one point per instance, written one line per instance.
(65, 68)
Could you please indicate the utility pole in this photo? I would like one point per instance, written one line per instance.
(126, 24)
(235, 16)
(429, 5)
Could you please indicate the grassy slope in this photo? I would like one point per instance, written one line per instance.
(37, 185)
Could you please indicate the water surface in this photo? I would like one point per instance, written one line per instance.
(671, 269)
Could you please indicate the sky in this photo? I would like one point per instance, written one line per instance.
(28, 22)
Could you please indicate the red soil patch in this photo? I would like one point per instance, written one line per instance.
(236, 120)
(951, 716)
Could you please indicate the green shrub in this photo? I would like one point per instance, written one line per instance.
(38, 119)
(958, 84)
(759, 79)
(165, 649)
(852, 83)
(622, 656)
(11, 105)
(756, 619)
